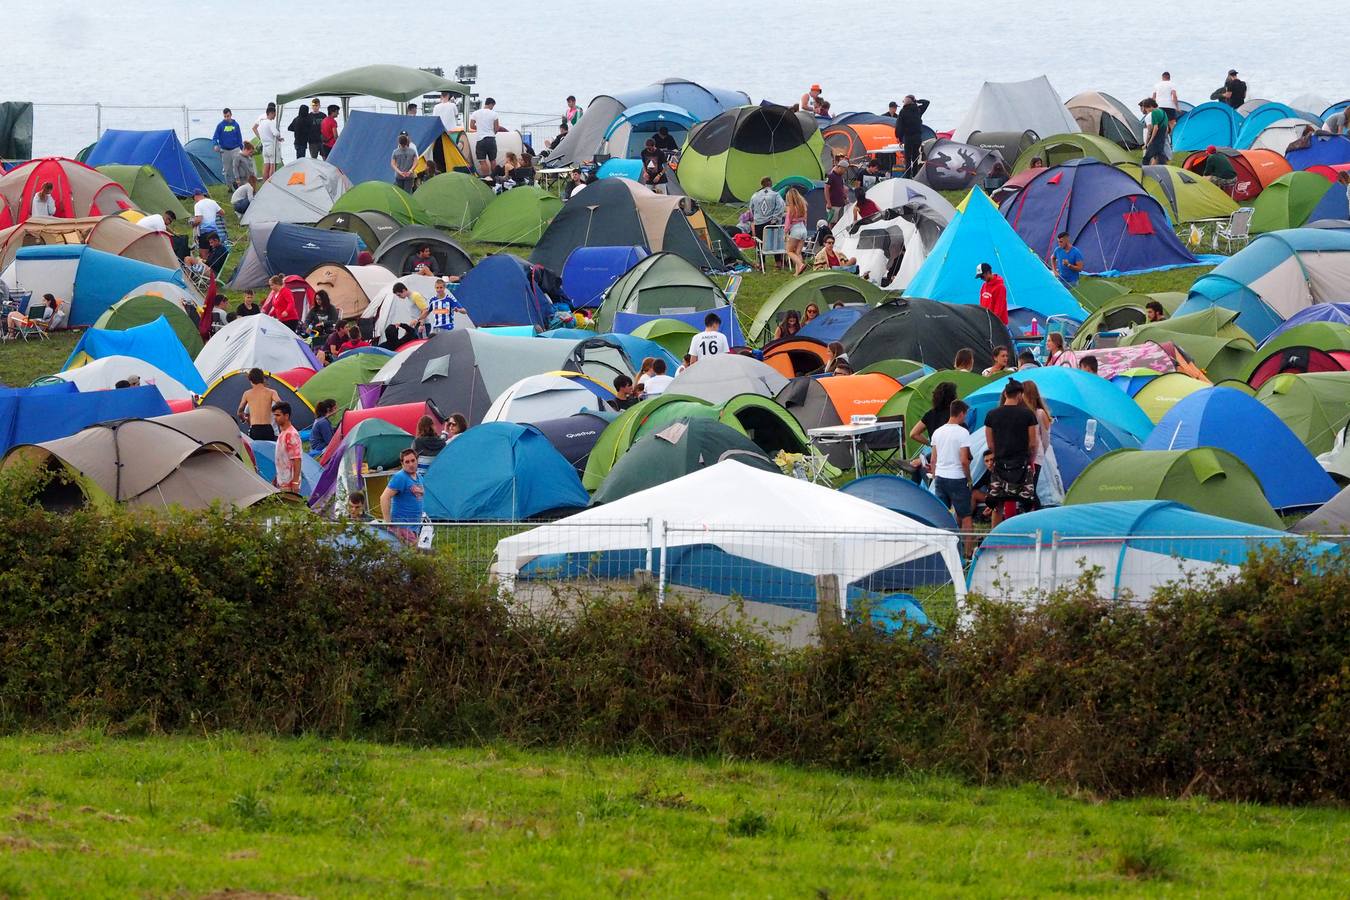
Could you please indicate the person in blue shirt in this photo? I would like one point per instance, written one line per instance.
(401, 502)
(1068, 260)
(321, 434)
(226, 141)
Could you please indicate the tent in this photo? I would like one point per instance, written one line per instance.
(367, 140)
(518, 216)
(1162, 392)
(1206, 479)
(1295, 199)
(78, 190)
(1334, 313)
(338, 380)
(1255, 169)
(658, 285)
(205, 160)
(387, 82)
(504, 290)
(1069, 393)
(587, 137)
(1186, 196)
(225, 393)
(1323, 150)
(453, 199)
(138, 310)
(672, 335)
(16, 129)
(301, 192)
(857, 141)
(1315, 405)
(1211, 124)
(1009, 144)
(1258, 117)
(280, 248)
(575, 436)
(158, 149)
(679, 448)
(902, 496)
(104, 373)
(628, 133)
(716, 379)
(765, 422)
(832, 324)
(398, 249)
(1098, 113)
(380, 197)
(797, 355)
(1279, 134)
(147, 188)
(45, 413)
(370, 226)
(895, 193)
(891, 246)
(1331, 518)
(833, 400)
(725, 157)
(92, 279)
(634, 347)
(1225, 418)
(252, 341)
(1132, 543)
(540, 397)
(589, 271)
(111, 234)
(977, 235)
(1031, 105)
(1061, 148)
(351, 288)
(370, 447)
(154, 342)
(924, 330)
(917, 399)
(1309, 347)
(501, 471)
(824, 288)
(952, 166)
(265, 462)
(621, 213)
(1116, 225)
(1275, 276)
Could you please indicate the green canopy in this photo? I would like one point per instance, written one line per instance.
(517, 216)
(681, 447)
(1288, 201)
(1209, 337)
(1166, 391)
(454, 199)
(916, 398)
(146, 188)
(1187, 196)
(1122, 311)
(1206, 479)
(672, 334)
(1315, 405)
(338, 380)
(143, 309)
(656, 284)
(383, 197)
(824, 288)
(383, 81)
(1059, 148)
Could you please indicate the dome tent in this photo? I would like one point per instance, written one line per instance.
(1296, 198)
(301, 192)
(628, 133)
(518, 216)
(575, 436)
(924, 330)
(1031, 105)
(1060, 148)
(78, 190)
(225, 393)
(370, 226)
(660, 283)
(132, 311)
(1256, 119)
(252, 342)
(382, 197)
(917, 398)
(951, 166)
(160, 150)
(454, 199)
(902, 496)
(397, 250)
(1211, 124)
(504, 290)
(1186, 196)
(103, 374)
(725, 157)
(153, 342)
(502, 472)
(1098, 113)
(1315, 405)
(279, 248)
(679, 448)
(716, 379)
(1307, 347)
(541, 397)
(1255, 169)
(146, 188)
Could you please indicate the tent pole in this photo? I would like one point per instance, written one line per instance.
(1039, 546)
(661, 575)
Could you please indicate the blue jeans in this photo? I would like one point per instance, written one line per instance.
(954, 494)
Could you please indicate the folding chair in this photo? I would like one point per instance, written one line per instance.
(1238, 228)
(884, 451)
(20, 326)
(773, 242)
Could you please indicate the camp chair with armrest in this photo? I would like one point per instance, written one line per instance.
(884, 451)
(1237, 228)
(20, 326)
(773, 242)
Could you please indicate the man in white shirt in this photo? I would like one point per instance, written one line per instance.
(949, 465)
(447, 111)
(205, 213)
(710, 341)
(1165, 93)
(158, 222)
(658, 381)
(266, 130)
(44, 204)
(243, 195)
(486, 123)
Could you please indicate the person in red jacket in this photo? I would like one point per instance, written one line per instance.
(329, 129)
(280, 304)
(993, 293)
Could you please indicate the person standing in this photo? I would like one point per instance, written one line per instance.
(710, 341)
(909, 131)
(1068, 260)
(401, 503)
(811, 100)
(442, 305)
(207, 217)
(226, 141)
(949, 466)
(1165, 96)
(404, 162)
(1010, 432)
(993, 292)
(653, 164)
(299, 129)
(767, 208)
(571, 115)
(486, 123)
(665, 142)
(836, 192)
(280, 303)
(1233, 92)
(44, 204)
(315, 137)
(288, 449)
(255, 407)
(892, 110)
(268, 133)
(328, 131)
(447, 111)
(1155, 132)
(795, 222)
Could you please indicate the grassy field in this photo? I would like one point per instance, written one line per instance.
(236, 816)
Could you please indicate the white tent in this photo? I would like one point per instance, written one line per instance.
(538, 398)
(893, 193)
(1278, 135)
(104, 373)
(386, 307)
(719, 378)
(874, 244)
(1031, 105)
(748, 513)
(302, 192)
(251, 341)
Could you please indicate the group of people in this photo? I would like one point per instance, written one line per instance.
(653, 378)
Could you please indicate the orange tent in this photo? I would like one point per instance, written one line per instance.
(1255, 169)
(859, 141)
(797, 356)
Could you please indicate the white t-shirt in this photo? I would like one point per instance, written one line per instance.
(1162, 92)
(484, 121)
(243, 192)
(656, 384)
(43, 207)
(267, 130)
(153, 223)
(448, 112)
(709, 343)
(208, 209)
(948, 442)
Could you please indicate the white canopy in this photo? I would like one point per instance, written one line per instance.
(761, 516)
(104, 373)
(537, 398)
(251, 341)
(301, 192)
(1031, 105)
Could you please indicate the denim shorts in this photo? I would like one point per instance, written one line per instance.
(954, 493)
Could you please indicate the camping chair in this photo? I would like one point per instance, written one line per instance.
(884, 451)
(773, 242)
(1238, 228)
(20, 326)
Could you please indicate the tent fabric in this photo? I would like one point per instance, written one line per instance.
(370, 226)
(1255, 121)
(725, 157)
(337, 381)
(952, 166)
(1061, 148)
(454, 199)
(518, 216)
(633, 346)
(575, 436)
(16, 129)
(154, 342)
(1315, 406)
(397, 251)
(1009, 144)
(902, 496)
(644, 417)
(660, 284)
(352, 289)
(205, 160)
(1294, 199)
(1255, 169)
(1061, 387)
(265, 461)
(717, 379)
(681, 447)
(979, 234)
(78, 190)
(928, 331)
(1210, 124)
(92, 279)
(1206, 479)
(225, 393)
(1162, 392)
(628, 133)
(158, 149)
(388, 82)
(1334, 313)
(590, 270)
(503, 472)
(1331, 518)
(824, 288)
(280, 248)
(1096, 204)
(45, 413)
(673, 335)
(541, 397)
(1279, 134)
(1098, 113)
(1031, 105)
(252, 342)
(103, 374)
(368, 139)
(629, 323)
(799, 355)
(301, 192)
(147, 188)
(917, 399)
(834, 400)
(1225, 418)
(380, 197)
(1186, 196)
(111, 234)
(857, 140)
(1323, 150)
(132, 311)
(504, 290)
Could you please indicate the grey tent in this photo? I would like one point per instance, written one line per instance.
(398, 251)
(1101, 114)
(1031, 105)
(1009, 144)
(1331, 519)
(280, 248)
(370, 226)
(301, 192)
(719, 378)
(951, 166)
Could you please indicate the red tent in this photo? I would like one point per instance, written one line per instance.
(77, 190)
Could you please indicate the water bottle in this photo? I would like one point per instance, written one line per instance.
(1090, 435)
(1035, 327)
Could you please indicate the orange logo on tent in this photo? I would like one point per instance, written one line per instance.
(296, 178)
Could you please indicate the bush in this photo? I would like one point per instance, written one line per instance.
(226, 620)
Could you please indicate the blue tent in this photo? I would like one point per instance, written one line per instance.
(155, 342)
(501, 290)
(281, 248)
(1062, 388)
(1109, 216)
(589, 271)
(1256, 121)
(902, 496)
(265, 459)
(1209, 124)
(34, 415)
(368, 140)
(979, 234)
(1325, 150)
(101, 279)
(621, 168)
(501, 472)
(159, 149)
(1336, 313)
(634, 347)
(642, 122)
(626, 323)
(1234, 421)
(1277, 274)
(831, 324)
(205, 160)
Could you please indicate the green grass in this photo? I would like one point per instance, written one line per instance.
(91, 816)
(23, 361)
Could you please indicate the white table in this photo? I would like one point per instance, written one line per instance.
(852, 435)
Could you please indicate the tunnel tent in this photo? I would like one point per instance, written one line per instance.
(398, 251)
(280, 248)
(725, 157)
(301, 192)
(158, 149)
(1098, 113)
(453, 199)
(110, 234)
(146, 188)
(370, 226)
(1060, 148)
(381, 197)
(518, 216)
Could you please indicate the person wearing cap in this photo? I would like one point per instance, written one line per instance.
(993, 292)
(892, 110)
(909, 131)
(1217, 167)
(1233, 92)
(811, 100)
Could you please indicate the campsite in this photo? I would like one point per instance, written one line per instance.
(610, 477)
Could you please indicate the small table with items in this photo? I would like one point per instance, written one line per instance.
(854, 434)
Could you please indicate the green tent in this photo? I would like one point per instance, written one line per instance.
(517, 216)
(143, 309)
(725, 157)
(1209, 337)
(1315, 405)
(1166, 391)
(662, 282)
(916, 398)
(672, 334)
(620, 434)
(1326, 336)
(824, 288)
(1122, 311)
(338, 380)
(146, 188)
(894, 368)
(679, 448)
(1206, 479)
(1187, 196)
(387, 82)
(454, 199)
(765, 421)
(1288, 201)
(1059, 148)
(383, 197)
(1092, 292)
